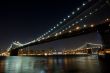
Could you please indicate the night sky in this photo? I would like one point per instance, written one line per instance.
(26, 20)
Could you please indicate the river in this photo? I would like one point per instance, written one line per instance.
(58, 64)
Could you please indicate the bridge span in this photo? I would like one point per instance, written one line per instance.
(103, 29)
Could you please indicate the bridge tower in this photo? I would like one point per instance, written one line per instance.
(13, 48)
(104, 31)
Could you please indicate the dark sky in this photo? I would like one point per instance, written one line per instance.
(25, 20)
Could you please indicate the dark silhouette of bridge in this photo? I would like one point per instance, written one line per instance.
(60, 31)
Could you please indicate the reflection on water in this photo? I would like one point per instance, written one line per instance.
(18, 64)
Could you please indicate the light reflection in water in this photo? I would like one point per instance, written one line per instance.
(53, 65)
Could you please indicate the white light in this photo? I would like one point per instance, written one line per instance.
(57, 25)
(85, 25)
(78, 9)
(73, 13)
(64, 19)
(90, 13)
(54, 27)
(107, 19)
(60, 22)
(83, 4)
(49, 31)
(63, 30)
(68, 16)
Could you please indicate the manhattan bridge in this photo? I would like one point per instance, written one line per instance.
(91, 16)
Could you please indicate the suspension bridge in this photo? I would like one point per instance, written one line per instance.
(79, 22)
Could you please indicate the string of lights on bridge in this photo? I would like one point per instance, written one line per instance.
(61, 22)
(68, 26)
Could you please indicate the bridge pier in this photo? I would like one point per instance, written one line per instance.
(14, 52)
(104, 31)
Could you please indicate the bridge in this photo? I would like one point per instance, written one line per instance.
(74, 25)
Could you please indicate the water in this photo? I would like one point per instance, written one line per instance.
(86, 64)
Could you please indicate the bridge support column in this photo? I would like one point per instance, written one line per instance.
(14, 52)
(104, 32)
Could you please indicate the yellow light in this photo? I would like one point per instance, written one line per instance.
(45, 54)
(77, 28)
